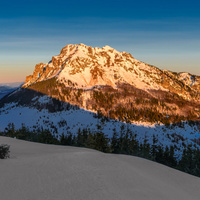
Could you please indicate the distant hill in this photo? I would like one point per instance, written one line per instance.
(6, 88)
(12, 85)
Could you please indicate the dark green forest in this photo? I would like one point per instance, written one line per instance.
(121, 142)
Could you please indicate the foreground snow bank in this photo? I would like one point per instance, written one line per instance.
(39, 171)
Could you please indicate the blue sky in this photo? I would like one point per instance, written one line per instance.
(162, 33)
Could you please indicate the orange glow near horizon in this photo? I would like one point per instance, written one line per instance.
(11, 74)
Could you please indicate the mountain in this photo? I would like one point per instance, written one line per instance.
(102, 88)
(107, 80)
(87, 67)
(6, 88)
(12, 84)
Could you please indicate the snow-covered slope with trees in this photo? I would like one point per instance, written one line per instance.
(71, 119)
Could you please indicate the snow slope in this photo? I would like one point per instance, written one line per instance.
(79, 118)
(49, 172)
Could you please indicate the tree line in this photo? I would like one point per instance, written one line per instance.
(123, 141)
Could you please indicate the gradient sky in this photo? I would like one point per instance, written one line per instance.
(162, 33)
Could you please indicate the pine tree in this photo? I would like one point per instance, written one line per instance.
(172, 159)
(79, 141)
(159, 156)
(115, 142)
(134, 145)
(145, 149)
(90, 142)
(10, 130)
(154, 147)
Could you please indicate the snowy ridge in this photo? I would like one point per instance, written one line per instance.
(187, 78)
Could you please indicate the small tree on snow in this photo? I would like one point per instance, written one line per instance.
(4, 151)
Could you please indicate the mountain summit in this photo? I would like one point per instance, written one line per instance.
(87, 67)
(84, 67)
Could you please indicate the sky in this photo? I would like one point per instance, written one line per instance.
(165, 34)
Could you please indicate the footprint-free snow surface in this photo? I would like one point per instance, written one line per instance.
(50, 172)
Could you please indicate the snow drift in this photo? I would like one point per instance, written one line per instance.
(40, 171)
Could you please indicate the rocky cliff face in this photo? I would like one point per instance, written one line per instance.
(52, 68)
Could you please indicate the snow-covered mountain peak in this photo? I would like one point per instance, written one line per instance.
(187, 78)
(107, 48)
(85, 67)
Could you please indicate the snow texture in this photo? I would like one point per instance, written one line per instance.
(50, 172)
